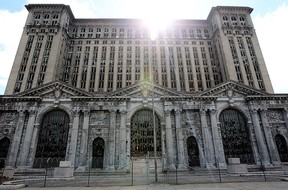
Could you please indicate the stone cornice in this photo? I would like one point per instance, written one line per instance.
(185, 98)
(7, 99)
(103, 99)
(270, 97)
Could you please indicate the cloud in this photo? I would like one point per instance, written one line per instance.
(272, 30)
(10, 35)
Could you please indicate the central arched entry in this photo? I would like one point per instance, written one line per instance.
(52, 139)
(142, 133)
(4, 148)
(235, 136)
(98, 153)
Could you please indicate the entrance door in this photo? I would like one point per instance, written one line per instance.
(98, 153)
(142, 134)
(282, 148)
(4, 148)
(235, 136)
(193, 152)
(52, 139)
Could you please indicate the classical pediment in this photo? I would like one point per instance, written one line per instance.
(232, 89)
(55, 90)
(145, 89)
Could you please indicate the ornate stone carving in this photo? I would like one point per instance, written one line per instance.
(99, 117)
(9, 118)
(275, 116)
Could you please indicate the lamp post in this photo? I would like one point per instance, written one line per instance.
(155, 136)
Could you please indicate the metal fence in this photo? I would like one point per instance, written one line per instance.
(142, 172)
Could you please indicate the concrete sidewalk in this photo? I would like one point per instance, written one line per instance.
(280, 185)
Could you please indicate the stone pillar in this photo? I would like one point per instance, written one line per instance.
(169, 139)
(122, 144)
(217, 141)
(33, 145)
(207, 141)
(112, 140)
(273, 152)
(27, 138)
(180, 144)
(259, 138)
(16, 140)
(73, 139)
(286, 117)
(84, 139)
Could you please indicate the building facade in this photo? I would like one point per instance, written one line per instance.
(96, 91)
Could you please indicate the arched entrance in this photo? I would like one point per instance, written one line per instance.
(52, 139)
(142, 134)
(98, 153)
(193, 152)
(235, 136)
(282, 147)
(4, 148)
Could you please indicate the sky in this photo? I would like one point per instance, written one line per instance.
(269, 18)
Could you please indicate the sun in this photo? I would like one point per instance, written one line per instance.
(157, 17)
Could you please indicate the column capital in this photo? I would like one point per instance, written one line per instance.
(178, 112)
(167, 112)
(123, 111)
(254, 110)
(86, 113)
(32, 111)
(203, 111)
(213, 111)
(21, 113)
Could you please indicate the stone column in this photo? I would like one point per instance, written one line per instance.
(122, 144)
(169, 139)
(286, 117)
(217, 141)
(273, 152)
(16, 140)
(27, 138)
(259, 138)
(207, 141)
(112, 139)
(73, 139)
(33, 145)
(84, 139)
(180, 144)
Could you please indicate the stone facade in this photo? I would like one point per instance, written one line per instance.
(108, 117)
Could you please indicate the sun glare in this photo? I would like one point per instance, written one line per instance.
(156, 18)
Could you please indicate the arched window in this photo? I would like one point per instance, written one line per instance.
(52, 139)
(98, 153)
(4, 148)
(142, 133)
(235, 136)
(282, 147)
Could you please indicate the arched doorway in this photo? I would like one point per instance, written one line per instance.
(52, 139)
(235, 136)
(98, 153)
(193, 152)
(4, 148)
(282, 147)
(142, 134)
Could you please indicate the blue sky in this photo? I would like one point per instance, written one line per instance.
(266, 13)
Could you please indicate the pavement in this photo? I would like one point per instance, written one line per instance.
(279, 185)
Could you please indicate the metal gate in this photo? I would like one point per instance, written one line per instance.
(142, 133)
(235, 136)
(4, 147)
(193, 152)
(98, 153)
(52, 139)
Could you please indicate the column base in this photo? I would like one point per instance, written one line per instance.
(81, 169)
(110, 168)
(210, 166)
(171, 167)
(222, 165)
(181, 167)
